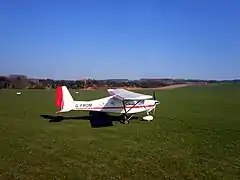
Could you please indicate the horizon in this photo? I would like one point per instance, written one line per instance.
(126, 39)
(160, 78)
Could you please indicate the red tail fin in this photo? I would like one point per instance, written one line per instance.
(59, 97)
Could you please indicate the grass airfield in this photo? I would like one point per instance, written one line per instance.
(195, 135)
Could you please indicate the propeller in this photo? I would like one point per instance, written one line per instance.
(155, 103)
(154, 95)
(154, 98)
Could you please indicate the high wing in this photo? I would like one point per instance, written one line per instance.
(125, 95)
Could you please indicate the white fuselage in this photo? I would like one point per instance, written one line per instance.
(114, 105)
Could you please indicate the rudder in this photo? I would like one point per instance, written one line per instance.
(64, 99)
(59, 97)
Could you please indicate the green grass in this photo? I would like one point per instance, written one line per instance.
(195, 135)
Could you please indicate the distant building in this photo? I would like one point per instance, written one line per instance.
(14, 76)
(34, 80)
(117, 80)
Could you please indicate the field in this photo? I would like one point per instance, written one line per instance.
(195, 135)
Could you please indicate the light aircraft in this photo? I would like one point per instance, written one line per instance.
(121, 101)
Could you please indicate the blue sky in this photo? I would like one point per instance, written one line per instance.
(120, 39)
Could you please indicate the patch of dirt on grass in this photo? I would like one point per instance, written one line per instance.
(137, 88)
(174, 86)
(165, 87)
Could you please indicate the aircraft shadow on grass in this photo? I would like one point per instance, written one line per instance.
(105, 121)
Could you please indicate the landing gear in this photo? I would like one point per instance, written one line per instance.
(125, 119)
(125, 122)
(148, 117)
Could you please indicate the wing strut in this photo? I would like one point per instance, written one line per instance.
(126, 118)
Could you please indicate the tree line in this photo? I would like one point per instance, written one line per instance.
(23, 82)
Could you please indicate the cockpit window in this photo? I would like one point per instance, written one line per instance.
(141, 102)
(130, 102)
(135, 102)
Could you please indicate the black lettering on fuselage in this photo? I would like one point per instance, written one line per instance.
(87, 105)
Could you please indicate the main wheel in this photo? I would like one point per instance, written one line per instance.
(124, 119)
(126, 122)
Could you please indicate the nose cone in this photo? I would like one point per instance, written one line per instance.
(157, 102)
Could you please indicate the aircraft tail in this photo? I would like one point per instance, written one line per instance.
(64, 99)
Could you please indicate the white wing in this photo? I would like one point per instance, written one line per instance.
(123, 94)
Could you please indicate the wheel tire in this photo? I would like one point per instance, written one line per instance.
(126, 122)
